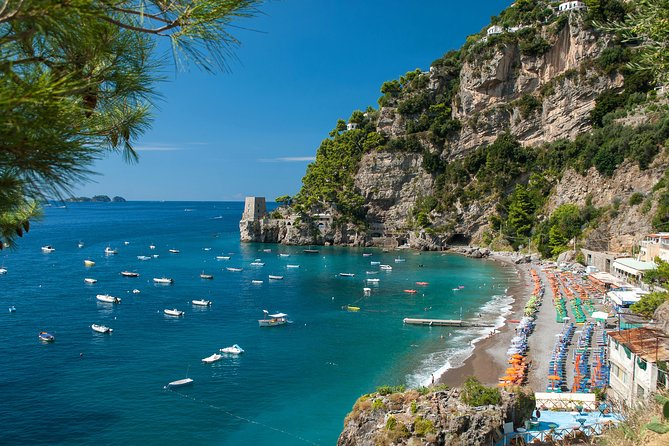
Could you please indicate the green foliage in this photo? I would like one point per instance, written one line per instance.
(377, 404)
(659, 275)
(396, 431)
(613, 59)
(476, 394)
(661, 218)
(636, 198)
(432, 162)
(283, 199)
(657, 427)
(422, 427)
(649, 303)
(527, 105)
(536, 46)
(387, 390)
(520, 214)
(414, 407)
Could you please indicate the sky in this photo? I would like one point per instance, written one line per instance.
(301, 66)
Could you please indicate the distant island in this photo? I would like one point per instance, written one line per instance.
(97, 199)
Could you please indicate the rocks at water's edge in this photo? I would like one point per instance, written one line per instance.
(96, 199)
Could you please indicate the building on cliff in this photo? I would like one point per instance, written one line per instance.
(654, 245)
(255, 208)
(572, 6)
(631, 270)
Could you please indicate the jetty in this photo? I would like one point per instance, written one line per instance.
(445, 322)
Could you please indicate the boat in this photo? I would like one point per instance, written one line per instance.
(347, 274)
(267, 250)
(410, 291)
(80, 245)
(311, 251)
(12, 309)
(163, 280)
(155, 256)
(422, 283)
(108, 299)
(374, 263)
(173, 312)
(292, 266)
(370, 280)
(46, 337)
(3, 270)
(366, 254)
(152, 246)
(109, 251)
(369, 273)
(179, 383)
(271, 277)
(386, 267)
(367, 291)
(233, 350)
(257, 264)
(129, 274)
(89, 280)
(47, 249)
(213, 358)
(206, 276)
(351, 308)
(222, 257)
(234, 270)
(201, 302)
(206, 249)
(143, 257)
(284, 255)
(256, 282)
(101, 328)
(173, 251)
(399, 260)
(272, 320)
(136, 291)
(126, 243)
(89, 263)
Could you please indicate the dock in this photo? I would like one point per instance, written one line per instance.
(444, 322)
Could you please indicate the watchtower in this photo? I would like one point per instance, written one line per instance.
(254, 208)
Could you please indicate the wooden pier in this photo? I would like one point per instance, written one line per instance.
(445, 322)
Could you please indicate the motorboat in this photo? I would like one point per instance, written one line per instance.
(311, 251)
(292, 266)
(101, 328)
(272, 320)
(367, 291)
(179, 383)
(108, 299)
(422, 283)
(136, 291)
(90, 280)
(366, 254)
(110, 252)
(206, 276)
(234, 270)
(257, 264)
(12, 309)
(267, 250)
(173, 251)
(399, 260)
(369, 273)
(374, 263)
(152, 246)
(213, 358)
(284, 255)
(163, 280)
(222, 257)
(257, 282)
(126, 243)
(373, 280)
(47, 249)
(233, 350)
(201, 302)
(347, 274)
(89, 263)
(206, 249)
(386, 267)
(129, 274)
(351, 308)
(410, 291)
(46, 337)
(271, 277)
(80, 245)
(173, 312)
(3, 270)
(143, 257)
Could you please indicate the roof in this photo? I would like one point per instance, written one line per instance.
(648, 344)
(635, 264)
(608, 279)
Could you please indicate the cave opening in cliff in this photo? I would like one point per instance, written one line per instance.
(459, 240)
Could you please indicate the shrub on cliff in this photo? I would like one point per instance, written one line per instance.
(476, 394)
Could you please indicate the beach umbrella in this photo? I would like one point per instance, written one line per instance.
(517, 356)
(554, 378)
(511, 370)
(508, 378)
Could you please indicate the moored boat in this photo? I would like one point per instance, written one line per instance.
(374, 263)
(80, 244)
(386, 267)
(366, 254)
(109, 251)
(256, 263)
(257, 282)
(222, 257)
(206, 276)
(234, 270)
(101, 328)
(3, 270)
(422, 283)
(292, 266)
(108, 299)
(179, 383)
(173, 251)
(399, 259)
(143, 257)
(201, 302)
(351, 308)
(233, 350)
(46, 337)
(410, 291)
(213, 358)
(47, 249)
(370, 280)
(136, 291)
(173, 312)
(89, 263)
(90, 280)
(311, 251)
(272, 320)
(163, 280)
(347, 274)
(129, 274)
(271, 277)
(284, 255)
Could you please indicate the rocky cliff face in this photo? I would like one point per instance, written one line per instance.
(438, 418)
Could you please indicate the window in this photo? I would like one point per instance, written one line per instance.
(640, 391)
(618, 373)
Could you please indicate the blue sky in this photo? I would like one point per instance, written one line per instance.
(302, 65)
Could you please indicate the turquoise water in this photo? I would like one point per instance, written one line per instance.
(294, 384)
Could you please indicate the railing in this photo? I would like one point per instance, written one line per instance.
(567, 405)
(556, 435)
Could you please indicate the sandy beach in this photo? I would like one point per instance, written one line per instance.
(489, 360)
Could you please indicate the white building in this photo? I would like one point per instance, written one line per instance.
(495, 29)
(632, 270)
(633, 359)
(571, 6)
(351, 126)
(625, 296)
(654, 245)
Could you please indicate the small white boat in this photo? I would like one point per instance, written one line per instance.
(272, 320)
(179, 383)
(89, 263)
(257, 282)
(163, 280)
(46, 337)
(206, 276)
(126, 243)
(386, 267)
(347, 274)
(374, 263)
(369, 273)
(222, 257)
(234, 270)
(367, 291)
(47, 249)
(292, 266)
(152, 246)
(206, 249)
(233, 350)
(266, 250)
(3, 270)
(143, 257)
(399, 259)
(108, 299)
(373, 280)
(271, 277)
(12, 309)
(201, 302)
(366, 254)
(173, 251)
(284, 255)
(136, 291)
(90, 280)
(80, 245)
(213, 358)
(101, 328)
(155, 256)
(257, 264)
(173, 312)
(129, 274)
(110, 252)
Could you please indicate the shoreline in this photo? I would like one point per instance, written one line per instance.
(488, 360)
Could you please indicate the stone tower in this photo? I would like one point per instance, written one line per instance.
(254, 208)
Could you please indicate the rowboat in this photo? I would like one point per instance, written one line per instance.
(292, 266)
(233, 350)
(89, 263)
(410, 291)
(234, 270)
(173, 251)
(213, 358)
(108, 299)
(179, 383)
(201, 302)
(129, 274)
(163, 280)
(173, 312)
(422, 283)
(347, 274)
(101, 328)
(271, 277)
(90, 280)
(206, 276)
(311, 251)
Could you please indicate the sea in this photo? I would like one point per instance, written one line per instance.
(293, 385)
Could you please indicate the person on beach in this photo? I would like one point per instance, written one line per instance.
(432, 379)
